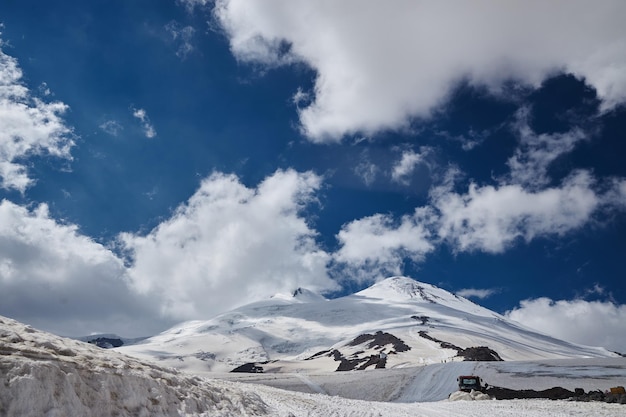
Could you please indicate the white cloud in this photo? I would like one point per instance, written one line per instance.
(380, 64)
(53, 277)
(148, 128)
(376, 246)
(112, 127)
(227, 246)
(616, 194)
(230, 245)
(487, 218)
(191, 4)
(492, 218)
(477, 293)
(594, 323)
(366, 169)
(29, 127)
(182, 36)
(529, 165)
(404, 168)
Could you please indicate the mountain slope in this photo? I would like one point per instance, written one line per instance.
(397, 322)
(46, 375)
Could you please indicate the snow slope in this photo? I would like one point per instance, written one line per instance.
(435, 382)
(304, 332)
(46, 375)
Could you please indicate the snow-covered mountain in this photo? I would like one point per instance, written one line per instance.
(397, 322)
(47, 375)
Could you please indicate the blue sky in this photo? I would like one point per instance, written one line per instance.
(168, 160)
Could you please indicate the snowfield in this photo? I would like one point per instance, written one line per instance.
(401, 342)
(46, 375)
(303, 332)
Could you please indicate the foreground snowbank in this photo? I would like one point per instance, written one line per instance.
(468, 396)
(48, 375)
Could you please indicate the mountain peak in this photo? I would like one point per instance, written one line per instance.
(402, 288)
(300, 294)
(306, 295)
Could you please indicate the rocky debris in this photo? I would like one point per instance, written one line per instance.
(480, 353)
(444, 345)
(379, 361)
(422, 319)
(205, 356)
(380, 339)
(474, 353)
(556, 393)
(425, 295)
(607, 397)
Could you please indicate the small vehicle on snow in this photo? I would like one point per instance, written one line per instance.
(467, 383)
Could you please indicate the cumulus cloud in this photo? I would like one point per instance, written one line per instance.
(379, 65)
(30, 127)
(406, 165)
(376, 246)
(55, 278)
(148, 128)
(594, 323)
(488, 219)
(230, 245)
(491, 218)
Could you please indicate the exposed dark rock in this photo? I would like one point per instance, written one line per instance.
(422, 319)
(205, 356)
(379, 360)
(349, 364)
(443, 344)
(250, 367)
(556, 393)
(480, 353)
(477, 353)
(318, 354)
(106, 343)
(425, 296)
(380, 339)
